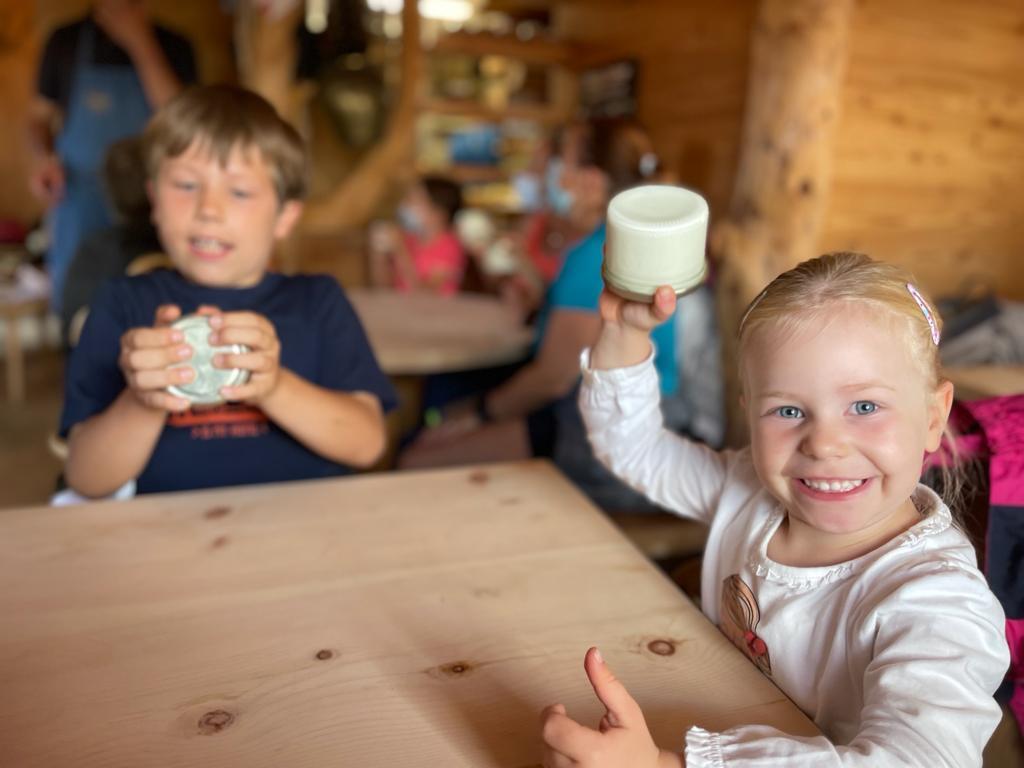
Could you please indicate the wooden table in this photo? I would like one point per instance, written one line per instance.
(418, 333)
(980, 381)
(14, 307)
(414, 619)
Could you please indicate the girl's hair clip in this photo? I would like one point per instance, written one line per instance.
(926, 311)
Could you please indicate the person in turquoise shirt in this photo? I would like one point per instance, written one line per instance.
(534, 412)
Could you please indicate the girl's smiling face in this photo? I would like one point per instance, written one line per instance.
(841, 416)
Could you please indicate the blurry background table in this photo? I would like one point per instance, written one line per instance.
(418, 619)
(981, 381)
(419, 333)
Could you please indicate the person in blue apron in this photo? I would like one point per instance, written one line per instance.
(101, 78)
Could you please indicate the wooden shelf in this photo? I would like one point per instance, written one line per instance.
(466, 174)
(539, 50)
(537, 112)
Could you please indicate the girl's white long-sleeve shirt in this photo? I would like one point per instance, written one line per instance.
(895, 655)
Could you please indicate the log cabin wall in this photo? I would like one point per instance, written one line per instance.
(929, 150)
(26, 25)
(693, 59)
(930, 142)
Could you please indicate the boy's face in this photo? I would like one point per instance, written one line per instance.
(218, 223)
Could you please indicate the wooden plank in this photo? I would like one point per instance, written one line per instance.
(976, 382)
(422, 333)
(413, 619)
(543, 113)
(540, 50)
(928, 155)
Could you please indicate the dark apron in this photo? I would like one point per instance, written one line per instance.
(107, 103)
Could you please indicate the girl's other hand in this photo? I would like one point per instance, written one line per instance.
(621, 738)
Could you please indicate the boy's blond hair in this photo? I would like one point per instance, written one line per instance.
(221, 118)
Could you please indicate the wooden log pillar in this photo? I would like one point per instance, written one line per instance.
(798, 57)
(353, 202)
(267, 54)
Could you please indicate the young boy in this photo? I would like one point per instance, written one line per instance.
(226, 177)
(424, 253)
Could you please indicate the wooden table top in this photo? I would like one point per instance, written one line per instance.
(979, 381)
(414, 619)
(419, 333)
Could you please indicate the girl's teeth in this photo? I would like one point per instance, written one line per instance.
(833, 486)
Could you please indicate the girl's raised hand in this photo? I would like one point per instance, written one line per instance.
(641, 316)
(621, 739)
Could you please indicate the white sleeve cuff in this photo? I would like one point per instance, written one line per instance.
(703, 749)
(617, 377)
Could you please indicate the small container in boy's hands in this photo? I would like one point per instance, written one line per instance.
(204, 389)
(656, 236)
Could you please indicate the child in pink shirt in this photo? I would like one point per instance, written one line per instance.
(423, 253)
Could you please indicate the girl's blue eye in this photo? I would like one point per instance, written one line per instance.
(864, 407)
(184, 185)
(789, 412)
(241, 194)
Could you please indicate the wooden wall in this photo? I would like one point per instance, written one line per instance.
(930, 147)
(693, 57)
(24, 26)
(929, 151)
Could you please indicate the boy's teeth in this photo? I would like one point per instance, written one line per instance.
(208, 243)
(833, 486)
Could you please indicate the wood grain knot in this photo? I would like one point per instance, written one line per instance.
(215, 721)
(217, 512)
(456, 668)
(662, 647)
(479, 477)
(325, 654)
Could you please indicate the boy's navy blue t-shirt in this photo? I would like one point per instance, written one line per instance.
(321, 339)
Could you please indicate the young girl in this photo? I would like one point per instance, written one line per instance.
(827, 564)
(421, 253)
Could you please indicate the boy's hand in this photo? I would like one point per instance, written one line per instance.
(622, 738)
(263, 360)
(642, 316)
(145, 356)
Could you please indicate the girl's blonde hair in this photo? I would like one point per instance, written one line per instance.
(222, 118)
(808, 291)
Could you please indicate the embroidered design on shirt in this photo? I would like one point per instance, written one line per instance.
(738, 620)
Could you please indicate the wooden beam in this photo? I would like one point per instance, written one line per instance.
(539, 50)
(798, 56)
(354, 201)
(266, 56)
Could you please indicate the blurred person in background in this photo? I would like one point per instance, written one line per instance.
(421, 251)
(534, 413)
(107, 252)
(99, 80)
